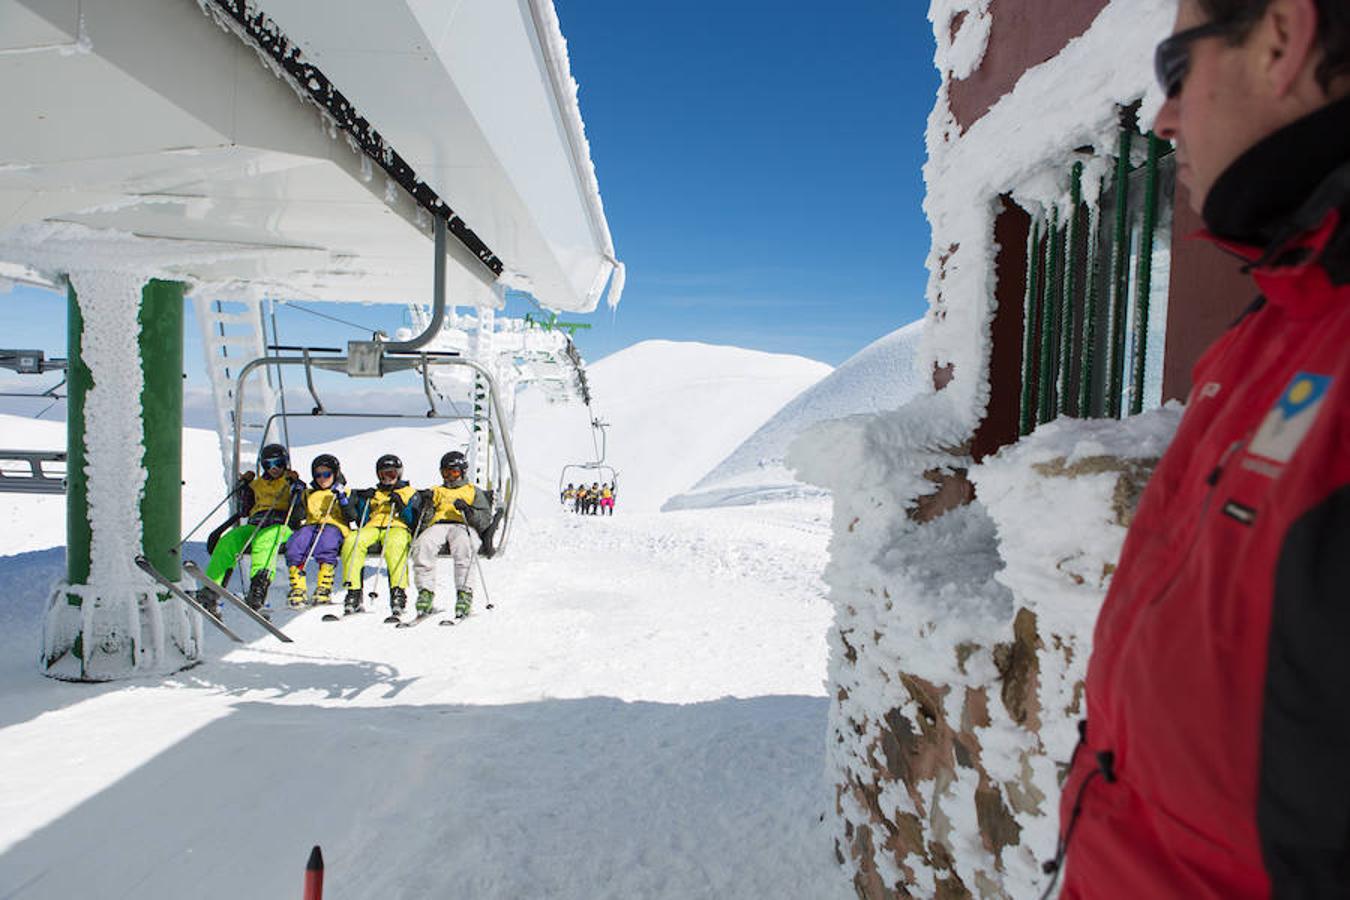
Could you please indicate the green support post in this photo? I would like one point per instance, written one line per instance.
(1031, 317)
(78, 383)
(159, 346)
(161, 349)
(1120, 278)
(1144, 276)
(1072, 266)
(1087, 366)
(1054, 273)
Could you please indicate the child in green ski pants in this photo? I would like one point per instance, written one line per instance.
(268, 503)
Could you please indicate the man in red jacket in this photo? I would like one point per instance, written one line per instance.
(1216, 759)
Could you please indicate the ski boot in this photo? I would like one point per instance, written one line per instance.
(295, 599)
(425, 601)
(323, 588)
(398, 600)
(257, 590)
(463, 603)
(352, 602)
(207, 601)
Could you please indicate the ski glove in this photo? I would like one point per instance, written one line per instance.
(462, 506)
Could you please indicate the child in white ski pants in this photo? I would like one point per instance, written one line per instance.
(463, 542)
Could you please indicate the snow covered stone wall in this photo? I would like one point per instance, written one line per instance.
(965, 594)
(961, 637)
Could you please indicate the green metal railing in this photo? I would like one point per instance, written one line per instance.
(1073, 352)
(1144, 276)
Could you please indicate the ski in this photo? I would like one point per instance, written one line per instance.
(334, 617)
(145, 566)
(418, 619)
(195, 571)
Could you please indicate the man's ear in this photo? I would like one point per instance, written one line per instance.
(1287, 43)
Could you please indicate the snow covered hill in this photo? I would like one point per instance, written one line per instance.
(883, 375)
(675, 409)
(642, 714)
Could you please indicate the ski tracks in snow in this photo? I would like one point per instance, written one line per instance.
(642, 715)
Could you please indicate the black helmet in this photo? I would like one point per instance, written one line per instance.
(273, 455)
(454, 460)
(388, 461)
(328, 460)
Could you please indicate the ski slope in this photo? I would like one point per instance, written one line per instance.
(642, 714)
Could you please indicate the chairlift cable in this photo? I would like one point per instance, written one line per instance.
(281, 385)
(314, 312)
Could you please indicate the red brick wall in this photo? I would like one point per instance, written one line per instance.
(1206, 293)
(1025, 33)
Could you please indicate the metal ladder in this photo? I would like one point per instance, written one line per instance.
(232, 335)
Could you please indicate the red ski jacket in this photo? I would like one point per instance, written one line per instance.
(1215, 761)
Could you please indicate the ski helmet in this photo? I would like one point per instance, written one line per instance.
(328, 460)
(273, 455)
(388, 461)
(454, 460)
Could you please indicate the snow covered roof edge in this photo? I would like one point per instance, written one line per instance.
(554, 48)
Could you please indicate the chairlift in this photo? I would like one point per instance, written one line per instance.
(33, 471)
(599, 470)
(377, 358)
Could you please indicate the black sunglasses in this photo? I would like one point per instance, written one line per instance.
(1172, 58)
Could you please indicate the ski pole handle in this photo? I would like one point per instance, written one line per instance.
(314, 875)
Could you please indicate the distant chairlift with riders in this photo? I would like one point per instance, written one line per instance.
(597, 497)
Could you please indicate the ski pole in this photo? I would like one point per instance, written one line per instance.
(272, 555)
(384, 550)
(318, 534)
(347, 557)
(487, 600)
(230, 494)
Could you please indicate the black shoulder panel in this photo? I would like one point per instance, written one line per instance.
(1303, 806)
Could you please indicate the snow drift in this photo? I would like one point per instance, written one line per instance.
(881, 376)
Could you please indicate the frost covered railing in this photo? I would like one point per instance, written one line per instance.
(33, 471)
(1096, 289)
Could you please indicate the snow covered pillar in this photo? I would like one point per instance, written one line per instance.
(124, 497)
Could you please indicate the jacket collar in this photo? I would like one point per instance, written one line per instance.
(1284, 207)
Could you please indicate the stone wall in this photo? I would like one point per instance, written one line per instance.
(959, 656)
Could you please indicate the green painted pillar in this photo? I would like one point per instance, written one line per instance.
(161, 350)
(78, 382)
(117, 646)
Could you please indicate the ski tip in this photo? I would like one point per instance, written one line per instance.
(447, 623)
(315, 863)
(329, 617)
(393, 620)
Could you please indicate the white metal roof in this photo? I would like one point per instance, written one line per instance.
(177, 142)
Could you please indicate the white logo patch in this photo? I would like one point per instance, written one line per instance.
(1288, 423)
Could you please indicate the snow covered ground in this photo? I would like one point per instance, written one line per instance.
(641, 715)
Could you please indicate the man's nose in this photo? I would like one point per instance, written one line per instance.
(1165, 123)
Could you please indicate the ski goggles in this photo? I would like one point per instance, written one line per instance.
(390, 473)
(274, 462)
(323, 473)
(1172, 58)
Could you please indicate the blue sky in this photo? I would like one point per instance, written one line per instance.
(761, 170)
(760, 165)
